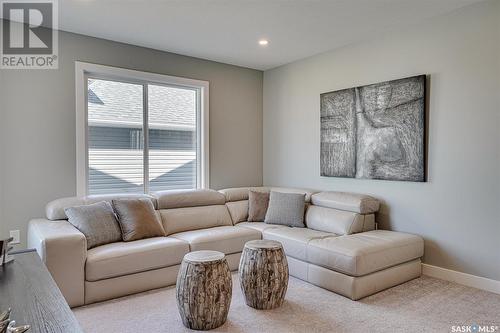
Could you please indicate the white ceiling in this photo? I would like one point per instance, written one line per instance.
(228, 30)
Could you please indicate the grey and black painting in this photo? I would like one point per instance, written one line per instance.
(375, 131)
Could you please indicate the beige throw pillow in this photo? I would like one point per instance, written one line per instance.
(138, 219)
(97, 222)
(257, 206)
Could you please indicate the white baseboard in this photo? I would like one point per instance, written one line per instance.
(462, 278)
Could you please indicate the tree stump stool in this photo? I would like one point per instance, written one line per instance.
(263, 274)
(204, 289)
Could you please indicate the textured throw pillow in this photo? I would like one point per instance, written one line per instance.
(138, 219)
(286, 209)
(97, 222)
(257, 206)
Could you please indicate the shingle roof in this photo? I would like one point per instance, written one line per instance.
(111, 103)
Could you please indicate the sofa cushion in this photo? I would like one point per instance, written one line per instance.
(188, 198)
(257, 206)
(226, 239)
(286, 209)
(193, 218)
(364, 253)
(294, 240)
(340, 222)
(352, 202)
(238, 210)
(97, 222)
(138, 219)
(123, 258)
(259, 226)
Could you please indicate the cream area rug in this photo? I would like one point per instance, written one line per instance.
(421, 305)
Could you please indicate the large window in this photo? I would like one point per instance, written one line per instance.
(139, 132)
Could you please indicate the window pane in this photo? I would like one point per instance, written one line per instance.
(115, 138)
(172, 138)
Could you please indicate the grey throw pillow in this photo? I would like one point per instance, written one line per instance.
(138, 219)
(286, 209)
(257, 206)
(97, 222)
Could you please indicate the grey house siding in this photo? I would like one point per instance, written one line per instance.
(124, 138)
(172, 159)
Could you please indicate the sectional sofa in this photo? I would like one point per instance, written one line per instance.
(340, 250)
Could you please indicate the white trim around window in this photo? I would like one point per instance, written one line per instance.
(84, 70)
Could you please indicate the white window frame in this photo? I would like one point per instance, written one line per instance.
(84, 70)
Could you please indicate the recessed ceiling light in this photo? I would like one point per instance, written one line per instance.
(263, 42)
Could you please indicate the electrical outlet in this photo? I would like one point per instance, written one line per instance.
(15, 234)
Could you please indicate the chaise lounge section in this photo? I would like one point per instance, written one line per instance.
(339, 250)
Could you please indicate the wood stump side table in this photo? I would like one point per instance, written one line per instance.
(263, 274)
(204, 289)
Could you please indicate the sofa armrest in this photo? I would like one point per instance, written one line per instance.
(63, 249)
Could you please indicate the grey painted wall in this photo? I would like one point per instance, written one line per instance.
(37, 128)
(456, 211)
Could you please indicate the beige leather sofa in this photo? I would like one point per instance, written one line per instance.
(340, 250)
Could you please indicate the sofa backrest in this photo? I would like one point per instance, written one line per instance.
(54, 210)
(341, 213)
(352, 202)
(191, 210)
(237, 199)
(338, 221)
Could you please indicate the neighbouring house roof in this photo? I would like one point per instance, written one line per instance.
(118, 104)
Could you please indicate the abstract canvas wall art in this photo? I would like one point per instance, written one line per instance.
(375, 131)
